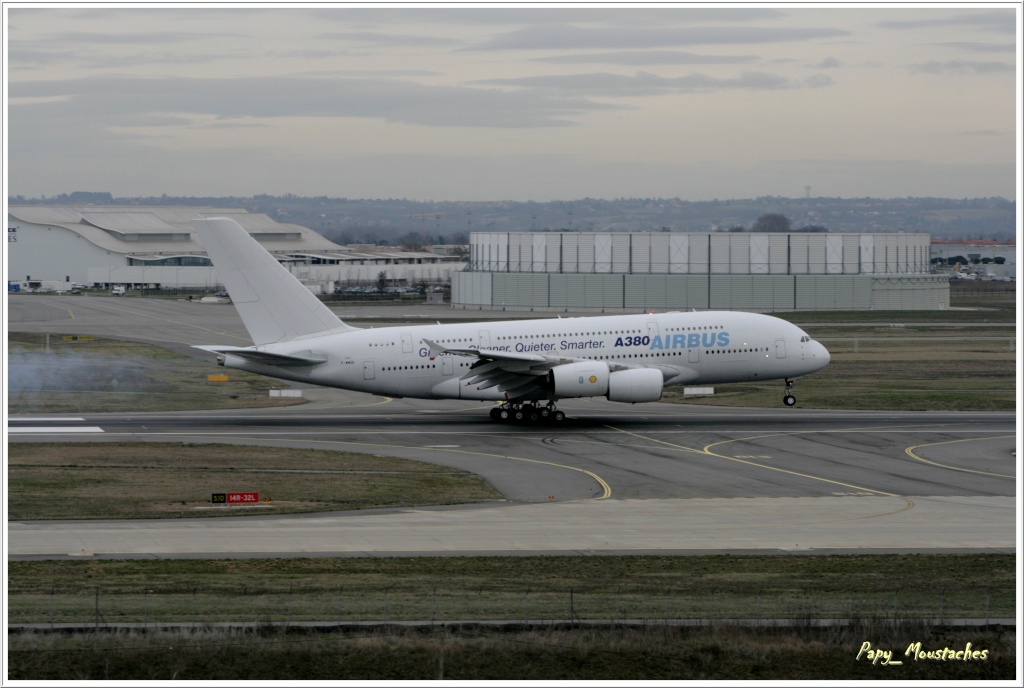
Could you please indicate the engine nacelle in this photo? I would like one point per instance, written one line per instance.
(583, 379)
(636, 386)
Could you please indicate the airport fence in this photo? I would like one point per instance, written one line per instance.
(530, 604)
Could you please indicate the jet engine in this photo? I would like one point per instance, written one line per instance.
(593, 379)
(636, 385)
(583, 379)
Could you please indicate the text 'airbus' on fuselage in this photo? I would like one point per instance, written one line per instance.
(526, 365)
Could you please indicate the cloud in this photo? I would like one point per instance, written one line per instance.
(564, 36)
(1002, 21)
(113, 100)
(490, 16)
(829, 63)
(390, 40)
(1006, 48)
(644, 57)
(962, 67)
(128, 38)
(647, 84)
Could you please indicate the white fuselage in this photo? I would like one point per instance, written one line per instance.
(688, 348)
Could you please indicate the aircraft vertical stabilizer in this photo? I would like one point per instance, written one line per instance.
(273, 304)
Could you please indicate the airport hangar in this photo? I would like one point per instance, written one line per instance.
(613, 272)
(54, 247)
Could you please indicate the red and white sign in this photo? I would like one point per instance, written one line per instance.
(243, 497)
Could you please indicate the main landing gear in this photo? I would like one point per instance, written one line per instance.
(527, 413)
(789, 399)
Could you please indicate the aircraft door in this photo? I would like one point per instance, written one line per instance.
(695, 355)
(780, 348)
(652, 329)
(406, 343)
(447, 365)
(368, 370)
(485, 339)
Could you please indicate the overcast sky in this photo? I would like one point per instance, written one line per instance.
(485, 103)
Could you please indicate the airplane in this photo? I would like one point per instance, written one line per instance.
(526, 366)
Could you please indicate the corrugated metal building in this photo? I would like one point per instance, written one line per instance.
(733, 270)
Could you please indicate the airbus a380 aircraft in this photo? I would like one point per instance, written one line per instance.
(526, 365)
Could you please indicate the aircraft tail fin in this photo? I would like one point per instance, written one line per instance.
(273, 304)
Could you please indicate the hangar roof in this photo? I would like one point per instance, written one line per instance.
(166, 230)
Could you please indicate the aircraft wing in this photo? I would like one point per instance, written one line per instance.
(488, 354)
(515, 374)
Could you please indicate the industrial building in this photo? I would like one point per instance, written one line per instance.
(577, 271)
(152, 247)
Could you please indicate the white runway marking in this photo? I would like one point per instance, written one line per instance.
(44, 419)
(46, 430)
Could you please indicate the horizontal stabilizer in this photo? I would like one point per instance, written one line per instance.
(266, 357)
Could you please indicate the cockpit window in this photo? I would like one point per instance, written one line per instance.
(805, 338)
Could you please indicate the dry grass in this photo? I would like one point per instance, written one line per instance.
(592, 588)
(972, 374)
(55, 375)
(651, 652)
(153, 480)
(878, 595)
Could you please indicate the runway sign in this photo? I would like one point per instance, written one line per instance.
(235, 498)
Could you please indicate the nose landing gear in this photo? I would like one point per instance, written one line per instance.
(789, 399)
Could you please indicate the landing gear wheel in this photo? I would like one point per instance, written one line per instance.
(495, 413)
(789, 399)
(504, 414)
(558, 416)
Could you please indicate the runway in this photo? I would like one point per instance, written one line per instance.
(651, 478)
(648, 478)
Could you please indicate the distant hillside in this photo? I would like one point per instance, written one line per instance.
(400, 221)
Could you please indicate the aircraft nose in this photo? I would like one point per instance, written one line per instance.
(821, 354)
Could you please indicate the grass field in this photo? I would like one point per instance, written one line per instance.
(56, 374)
(590, 588)
(550, 602)
(891, 373)
(652, 652)
(153, 480)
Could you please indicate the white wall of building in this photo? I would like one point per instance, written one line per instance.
(719, 253)
(47, 253)
(728, 270)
